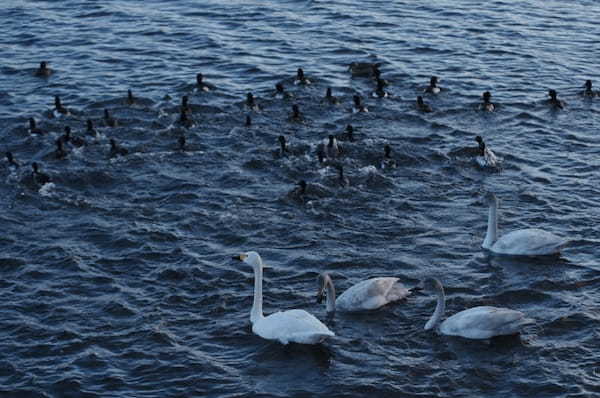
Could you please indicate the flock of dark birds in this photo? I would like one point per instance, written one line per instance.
(327, 152)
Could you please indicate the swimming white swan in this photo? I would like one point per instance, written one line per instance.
(366, 295)
(522, 242)
(475, 323)
(292, 326)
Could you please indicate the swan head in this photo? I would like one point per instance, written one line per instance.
(490, 198)
(431, 285)
(252, 258)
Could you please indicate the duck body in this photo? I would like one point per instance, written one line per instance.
(43, 70)
(363, 69)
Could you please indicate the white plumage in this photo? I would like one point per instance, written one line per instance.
(293, 326)
(522, 242)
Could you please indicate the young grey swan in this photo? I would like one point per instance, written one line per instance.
(481, 322)
(367, 295)
(522, 242)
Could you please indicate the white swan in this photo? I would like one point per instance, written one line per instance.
(366, 295)
(475, 323)
(522, 242)
(292, 326)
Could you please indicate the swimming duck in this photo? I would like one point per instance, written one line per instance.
(291, 326)
(522, 242)
(39, 177)
(280, 92)
(422, 106)
(433, 87)
(60, 152)
(367, 295)
(201, 85)
(185, 106)
(362, 69)
(347, 135)
(109, 120)
(283, 149)
(554, 101)
(388, 161)
(59, 110)
(330, 98)
(67, 137)
(130, 99)
(377, 77)
(251, 103)
(296, 116)
(358, 106)
(380, 92)
(481, 322)
(588, 92)
(117, 150)
(487, 105)
(90, 130)
(301, 79)
(184, 119)
(331, 147)
(33, 129)
(485, 157)
(43, 70)
(12, 163)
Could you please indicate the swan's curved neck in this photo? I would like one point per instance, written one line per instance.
(492, 229)
(257, 311)
(330, 295)
(435, 319)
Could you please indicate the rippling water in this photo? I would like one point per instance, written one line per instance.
(117, 280)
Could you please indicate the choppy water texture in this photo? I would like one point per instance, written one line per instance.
(117, 281)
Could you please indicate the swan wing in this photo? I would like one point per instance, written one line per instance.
(484, 322)
(371, 294)
(293, 326)
(529, 242)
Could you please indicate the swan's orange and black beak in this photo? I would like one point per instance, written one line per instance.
(240, 257)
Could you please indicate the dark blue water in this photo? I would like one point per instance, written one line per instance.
(116, 279)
